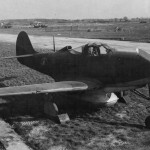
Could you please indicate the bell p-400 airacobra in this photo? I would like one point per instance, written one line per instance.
(97, 74)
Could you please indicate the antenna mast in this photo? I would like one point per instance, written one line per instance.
(54, 43)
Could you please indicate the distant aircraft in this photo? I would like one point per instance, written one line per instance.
(39, 25)
(98, 74)
(6, 25)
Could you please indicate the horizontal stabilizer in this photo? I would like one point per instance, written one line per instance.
(20, 56)
(143, 54)
(64, 86)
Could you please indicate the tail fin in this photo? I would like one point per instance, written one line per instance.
(23, 44)
(24, 47)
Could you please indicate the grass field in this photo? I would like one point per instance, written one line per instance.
(119, 127)
(128, 31)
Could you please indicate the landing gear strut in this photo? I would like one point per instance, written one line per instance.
(123, 97)
(51, 110)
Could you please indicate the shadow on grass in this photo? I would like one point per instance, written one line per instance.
(6, 78)
(113, 123)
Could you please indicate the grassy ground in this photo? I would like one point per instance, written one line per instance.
(119, 127)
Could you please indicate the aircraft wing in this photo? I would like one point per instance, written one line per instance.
(64, 86)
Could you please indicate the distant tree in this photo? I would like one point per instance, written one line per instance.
(125, 19)
(116, 20)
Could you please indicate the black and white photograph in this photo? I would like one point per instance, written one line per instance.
(75, 75)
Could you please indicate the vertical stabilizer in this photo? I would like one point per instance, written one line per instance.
(24, 47)
(23, 44)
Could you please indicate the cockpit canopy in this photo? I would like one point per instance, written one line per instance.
(94, 49)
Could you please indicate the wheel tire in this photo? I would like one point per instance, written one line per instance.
(147, 122)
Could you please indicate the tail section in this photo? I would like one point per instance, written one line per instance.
(23, 48)
(23, 45)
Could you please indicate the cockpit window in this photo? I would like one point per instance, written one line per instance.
(103, 50)
(95, 49)
(91, 50)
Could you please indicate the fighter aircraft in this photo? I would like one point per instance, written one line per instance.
(96, 73)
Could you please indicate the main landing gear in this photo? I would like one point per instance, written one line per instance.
(147, 120)
(124, 98)
(51, 110)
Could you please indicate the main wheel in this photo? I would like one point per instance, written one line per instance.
(147, 122)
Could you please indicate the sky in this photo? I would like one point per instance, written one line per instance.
(73, 9)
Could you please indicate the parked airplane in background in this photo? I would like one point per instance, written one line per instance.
(39, 25)
(97, 74)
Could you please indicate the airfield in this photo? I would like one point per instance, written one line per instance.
(46, 42)
(119, 127)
